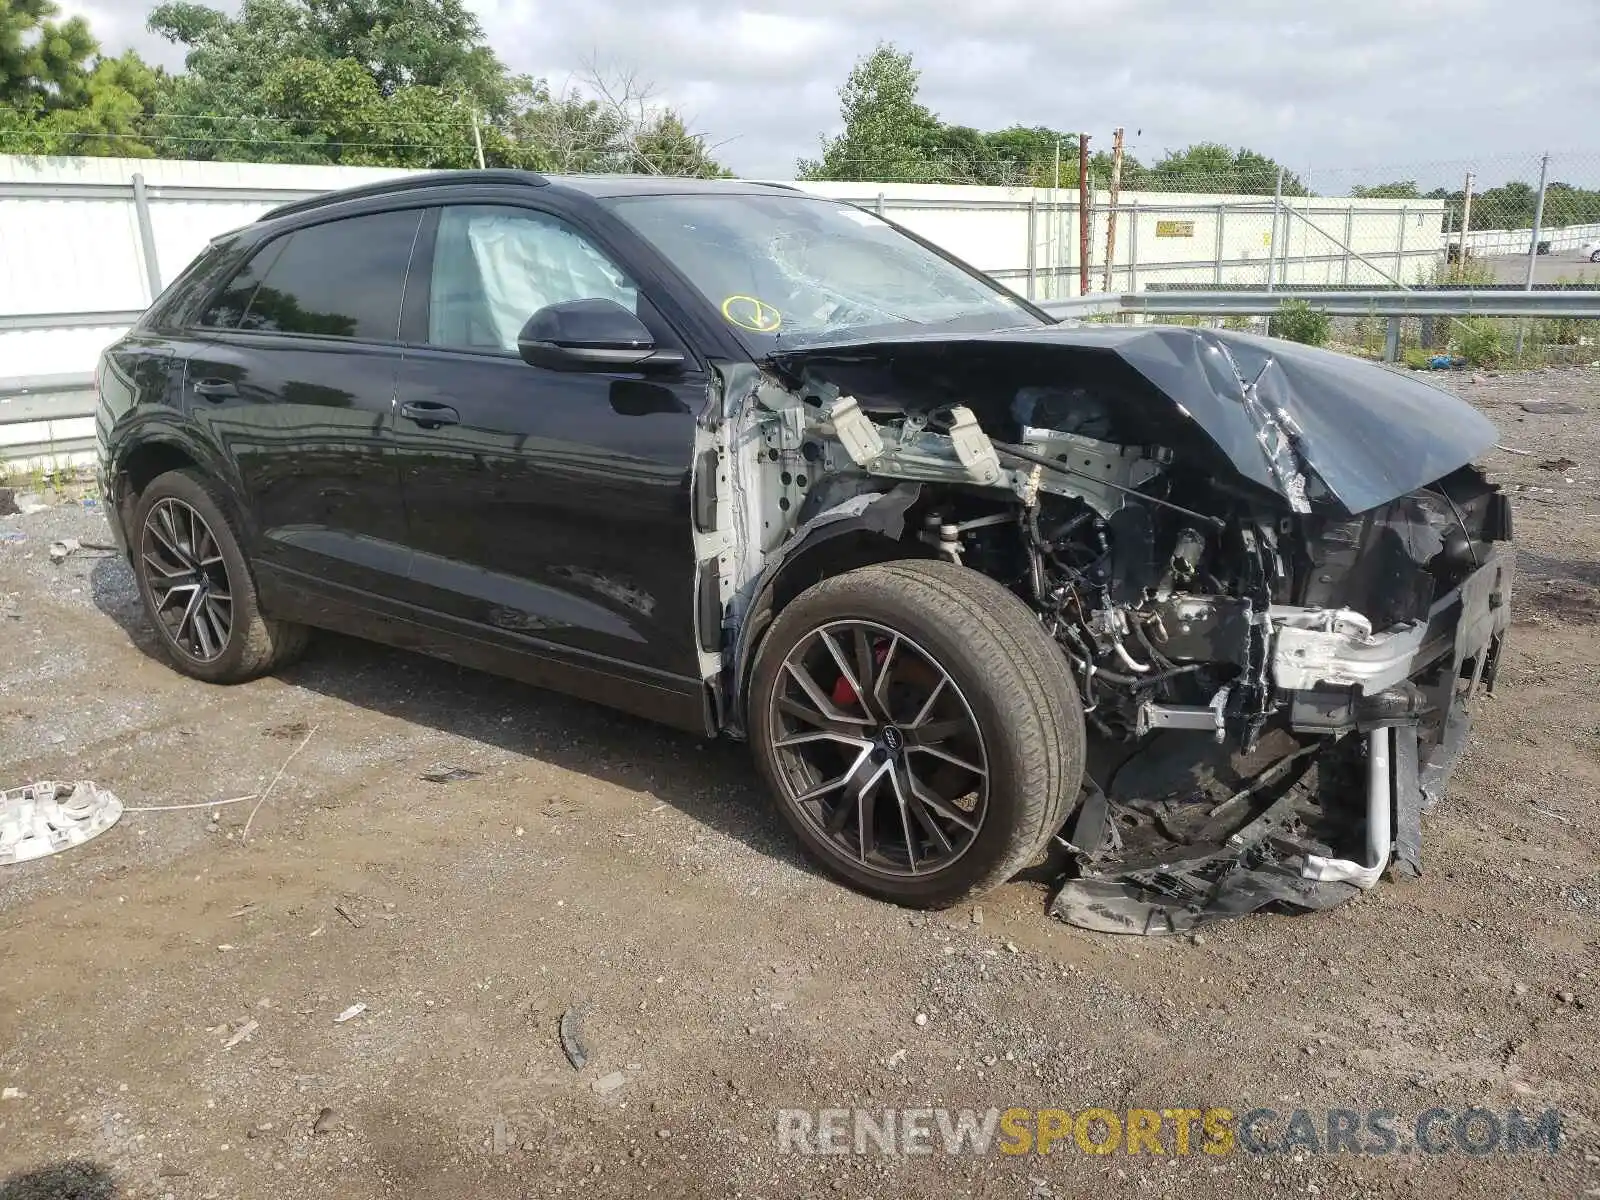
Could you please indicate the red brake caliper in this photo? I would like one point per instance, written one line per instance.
(843, 694)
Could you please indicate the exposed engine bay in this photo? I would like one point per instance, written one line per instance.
(1274, 609)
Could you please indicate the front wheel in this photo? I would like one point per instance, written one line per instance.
(920, 732)
(1595, 257)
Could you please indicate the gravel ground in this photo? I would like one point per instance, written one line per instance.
(635, 875)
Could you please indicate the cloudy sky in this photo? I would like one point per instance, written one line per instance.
(1323, 86)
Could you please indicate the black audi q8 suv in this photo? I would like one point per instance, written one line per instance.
(1202, 613)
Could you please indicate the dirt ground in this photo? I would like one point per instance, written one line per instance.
(635, 875)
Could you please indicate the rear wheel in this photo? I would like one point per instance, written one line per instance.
(197, 587)
(920, 732)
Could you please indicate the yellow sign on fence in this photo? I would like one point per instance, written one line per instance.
(1174, 228)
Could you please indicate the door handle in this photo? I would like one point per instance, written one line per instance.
(216, 389)
(428, 414)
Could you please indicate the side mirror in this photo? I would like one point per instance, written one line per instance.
(590, 335)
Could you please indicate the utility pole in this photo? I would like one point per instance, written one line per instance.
(1533, 242)
(1053, 235)
(1111, 217)
(1272, 241)
(477, 141)
(1083, 214)
(1538, 221)
(1466, 224)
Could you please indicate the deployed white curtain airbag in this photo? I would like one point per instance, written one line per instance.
(522, 261)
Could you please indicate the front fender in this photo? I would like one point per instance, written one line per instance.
(876, 523)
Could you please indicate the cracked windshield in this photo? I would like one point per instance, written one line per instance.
(793, 270)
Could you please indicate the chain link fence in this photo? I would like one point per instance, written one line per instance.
(1524, 222)
(1510, 221)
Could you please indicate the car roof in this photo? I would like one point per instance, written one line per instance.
(596, 187)
(605, 187)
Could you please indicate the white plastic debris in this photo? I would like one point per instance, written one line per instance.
(42, 818)
(355, 1010)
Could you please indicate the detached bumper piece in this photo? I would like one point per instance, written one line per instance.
(1191, 834)
(1260, 864)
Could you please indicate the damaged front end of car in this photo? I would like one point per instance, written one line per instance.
(1276, 575)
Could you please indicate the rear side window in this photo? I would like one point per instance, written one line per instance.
(341, 279)
(228, 309)
(178, 307)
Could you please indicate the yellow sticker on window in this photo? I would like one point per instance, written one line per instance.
(749, 313)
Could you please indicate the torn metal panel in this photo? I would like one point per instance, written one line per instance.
(1261, 864)
(1368, 435)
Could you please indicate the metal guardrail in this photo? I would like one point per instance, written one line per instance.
(1549, 303)
(1095, 304)
(22, 322)
(1385, 303)
(46, 397)
(1394, 304)
(33, 399)
(66, 397)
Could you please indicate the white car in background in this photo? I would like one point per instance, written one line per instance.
(1591, 251)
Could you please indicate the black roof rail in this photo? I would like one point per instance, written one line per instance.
(407, 183)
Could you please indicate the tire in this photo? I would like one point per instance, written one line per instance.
(184, 541)
(1003, 782)
(1595, 257)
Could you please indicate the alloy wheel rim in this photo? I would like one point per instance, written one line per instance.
(188, 580)
(878, 749)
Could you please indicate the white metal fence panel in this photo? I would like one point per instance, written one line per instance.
(70, 241)
(76, 265)
(70, 237)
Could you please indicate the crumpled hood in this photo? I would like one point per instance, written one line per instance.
(1273, 407)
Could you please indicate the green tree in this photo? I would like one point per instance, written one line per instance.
(58, 95)
(613, 122)
(413, 43)
(394, 83)
(663, 146)
(1399, 190)
(888, 133)
(334, 111)
(891, 136)
(1024, 156)
(1509, 206)
(318, 81)
(568, 134)
(399, 43)
(219, 107)
(112, 120)
(1027, 158)
(1568, 205)
(1213, 167)
(44, 63)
